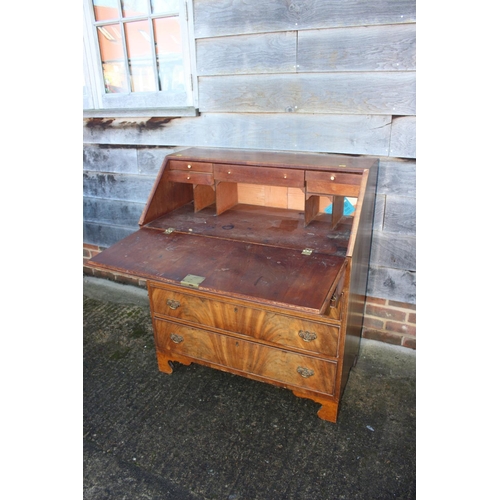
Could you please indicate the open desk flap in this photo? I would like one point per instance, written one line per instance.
(272, 275)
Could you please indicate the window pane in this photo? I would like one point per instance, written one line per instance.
(165, 6)
(168, 43)
(112, 57)
(105, 9)
(140, 56)
(134, 8)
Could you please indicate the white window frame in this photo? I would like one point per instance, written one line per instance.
(96, 103)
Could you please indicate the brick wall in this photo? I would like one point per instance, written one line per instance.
(385, 320)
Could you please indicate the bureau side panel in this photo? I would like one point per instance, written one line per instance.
(358, 276)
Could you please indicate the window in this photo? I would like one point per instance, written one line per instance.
(137, 57)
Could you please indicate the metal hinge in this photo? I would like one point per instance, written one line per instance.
(169, 230)
(192, 281)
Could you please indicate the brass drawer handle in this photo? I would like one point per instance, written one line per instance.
(173, 304)
(305, 372)
(307, 336)
(176, 338)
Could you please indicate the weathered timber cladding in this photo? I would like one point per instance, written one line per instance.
(349, 134)
(307, 75)
(229, 17)
(403, 137)
(376, 93)
(392, 284)
(260, 53)
(365, 48)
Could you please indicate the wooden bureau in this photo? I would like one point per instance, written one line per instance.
(253, 268)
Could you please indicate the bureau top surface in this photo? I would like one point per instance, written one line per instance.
(311, 161)
(282, 277)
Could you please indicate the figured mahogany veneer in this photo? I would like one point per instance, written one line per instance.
(270, 293)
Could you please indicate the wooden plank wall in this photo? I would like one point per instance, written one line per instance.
(309, 75)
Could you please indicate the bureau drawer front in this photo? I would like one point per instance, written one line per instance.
(194, 166)
(190, 177)
(268, 326)
(255, 175)
(270, 363)
(333, 183)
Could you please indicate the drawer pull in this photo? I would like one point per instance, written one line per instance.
(307, 336)
(189, 166)
(173, 304)
(305, 372)
(176, 338)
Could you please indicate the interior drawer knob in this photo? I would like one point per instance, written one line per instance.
(173, 304)
(189, 166)
(305, 372)
(307, 336)
(176, 338)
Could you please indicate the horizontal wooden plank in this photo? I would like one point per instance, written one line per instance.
(231, 17)
(244, 54)
(386, 93)
(403, 137)
(347, 134)
(400, 215)
(397, 177)
(117, 186)
(120, 213)
(104, 235)
(393, 251)
(367, 48)
(105, 158)
(150, 159)
(392, 284)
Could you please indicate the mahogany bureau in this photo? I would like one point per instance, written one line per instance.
(252, 266)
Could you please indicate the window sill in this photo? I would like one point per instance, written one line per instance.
(141, 113)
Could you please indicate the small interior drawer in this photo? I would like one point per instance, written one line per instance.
(333, 183)
(195, 166)
(256, 175)
(190, 177)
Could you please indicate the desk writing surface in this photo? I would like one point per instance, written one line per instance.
(268, 274)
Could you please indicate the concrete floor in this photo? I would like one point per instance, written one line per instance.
(201, 434)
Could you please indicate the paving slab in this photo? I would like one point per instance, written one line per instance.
(201, 434)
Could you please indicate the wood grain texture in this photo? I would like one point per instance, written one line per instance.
(400, 215)
(394, 251)
(329, 133)
(246, 319)
(246, 54)
(134, 188)
(267, 274)
(381, 93)
(403, 137)
(392, 284)
(229, 17)
(367, 48)
(244, 357)
(112, 212)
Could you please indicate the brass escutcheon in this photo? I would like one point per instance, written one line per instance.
(307, 336)
(173, 304)
(176, 338)
(305, 372)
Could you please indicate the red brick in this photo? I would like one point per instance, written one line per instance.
(374, 300)
(403, 328)
(410, 342)
(412, 318)
(373, 323)
(384, 312)
(403, 305)
(383, 336)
